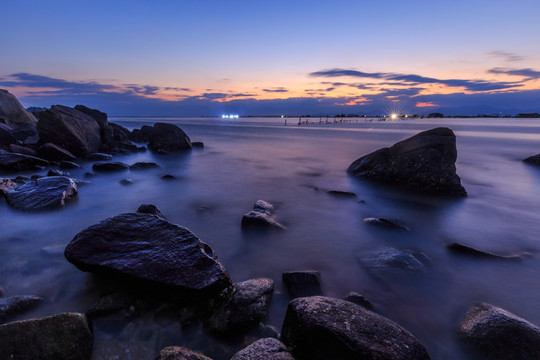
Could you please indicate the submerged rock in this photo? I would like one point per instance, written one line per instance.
(391, 260)
(339, 193)
(469, 250)
(264, 349)
(359, 299)
(99, 157)
(126, 182)
(20, 162)
(499, 334)
(17, 304)
(244, 308)
(302, 283)
(65, 336)
(423, 163)
(143, 165)
(386, 223)
(44, 192)
(109, 304)
(167, 138)
(261, 217)
(180, 353)
(110, 166)
(326, 328)
(197, 144)
(535, 159)
(148, 248)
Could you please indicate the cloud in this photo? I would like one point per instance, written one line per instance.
(507, 56)
(412, 79)
(528, 73)
(276, 90)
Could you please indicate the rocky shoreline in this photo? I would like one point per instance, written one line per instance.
(151, 264)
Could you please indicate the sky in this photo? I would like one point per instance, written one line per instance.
(279, 57)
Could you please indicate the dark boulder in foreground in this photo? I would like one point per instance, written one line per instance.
(535, 159)
(17, 304)
(146, 247)
(20, 162)
(261, 217)
(167, 138)
(244, 308)
(44, 192)
(423, 163)
(499, 334)
(180, 353)
(264, 349)
(65, 336)
(302, 283)
(70, 129)
(110, 166)
(326, 328)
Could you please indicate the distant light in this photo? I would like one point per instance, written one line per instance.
(393, 116)
(406, 116)
(282, 116)
(230, 116)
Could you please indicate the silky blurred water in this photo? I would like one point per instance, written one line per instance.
(293, 167)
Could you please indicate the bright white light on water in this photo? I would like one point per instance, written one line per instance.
(393, 116)
(230, 116)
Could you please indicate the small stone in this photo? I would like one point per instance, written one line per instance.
(302, 283)
(359, 299)
(168, 177)
(126, 182)
(151, 209)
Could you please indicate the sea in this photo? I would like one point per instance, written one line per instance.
(296, 168)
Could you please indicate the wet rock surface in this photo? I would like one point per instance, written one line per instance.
(64, 336)
(499, 334)
(423, 163)
(326, 328)
(44, 192)
(54, 152)
(19, 162)
(261, 217)
(264, 349)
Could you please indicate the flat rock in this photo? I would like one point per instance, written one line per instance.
(45, 192)
(110, 166)
(99, 157)
(424, 163)
(344, 194)
(53, 152)
(168, 138)
(386, 223)
(13, 305)
(499, 334)
(326, 328)
(302, 283)
(19, 149)
(264, 349)
(168, 177)
(20, 162)
(180, 353)
(471, 251)
(70, 129)
(65, 336)
(244, 308)
(145, 247)
(535, 159)
(143, 165)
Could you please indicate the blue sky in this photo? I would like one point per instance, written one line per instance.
(273, 57)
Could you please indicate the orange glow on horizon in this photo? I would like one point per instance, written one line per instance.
(425, 104)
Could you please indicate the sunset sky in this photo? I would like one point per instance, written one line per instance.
(201, 57)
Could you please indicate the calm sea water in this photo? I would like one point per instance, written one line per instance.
(293, 167)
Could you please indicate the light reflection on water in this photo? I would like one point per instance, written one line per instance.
(293, 167)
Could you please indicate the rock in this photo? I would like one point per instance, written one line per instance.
(345, 194)
(98, 116)
(70, 129)
(244, 308)
(26, 133)
(261, 217)
(197, 144)
(14, 148)
(499, 334)
(386, 223)
(120, 132)
(126, 182)
(535, 159)
(6, 185)
(469, 250)
(151, 209)
(54, 172)
(264, 349)
(89, 175)
(110, 166)
(45, 192)
(6, 138)
(99, 157)
(147, 248)
(180, 353)
(52, 152)
(302, 283)
(423, 163)
(143, 165)
(13, 305)
(13, 113)
(142, 134)
(109, 304)
(68, 165)
(168, 177)
(359, 299)
(168, 138)
(325, 328)
(392, 260)
(65, 336)
(20, 162)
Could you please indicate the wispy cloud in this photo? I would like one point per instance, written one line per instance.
(276, 90)
(505, 55)
(527, 73)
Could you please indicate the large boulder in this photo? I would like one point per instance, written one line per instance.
(326, 328)
(70, 129)
(6, 138)
(499, 334)
(423, 163)
(264, 349)
(44, 192)
(244, 308)
(20, 162)
(180, 353)
(142, 134)
(167, 138)
(106, 131)
(146, 247)
(66, 336)
(13, 113)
